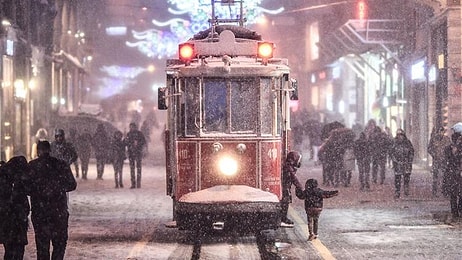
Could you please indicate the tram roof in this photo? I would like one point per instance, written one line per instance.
(226, 45)
(240, 66)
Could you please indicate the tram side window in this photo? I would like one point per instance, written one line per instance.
(267, 106)
(215, 104)
(244, 106)
(191, 113)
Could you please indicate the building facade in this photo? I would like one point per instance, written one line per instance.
(43, 50)
(397, 62)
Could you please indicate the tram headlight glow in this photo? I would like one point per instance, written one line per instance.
(227, 166)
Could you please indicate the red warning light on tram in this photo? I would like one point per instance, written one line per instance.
(186, 52)
(265, 50)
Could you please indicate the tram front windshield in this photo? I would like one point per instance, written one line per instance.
(228, 106)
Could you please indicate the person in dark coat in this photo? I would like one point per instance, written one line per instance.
(363, 160)
(380, 144)
(314, 198)
(135, 143)
(289, 178)
(118, 157)
(50, 179)
(348, 166)
(331, 157)
(146, 130)
(402, 155)
(314, 134)
(83, 145)
(14, 207)
(62, 149)
(436, 147)
(100, 144)
(73, 140)
(331, 154)
(452, 174)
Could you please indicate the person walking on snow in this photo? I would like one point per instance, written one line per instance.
(402, 155)
(100, 144)
(135, 142)
(438, 143)
(380, 144)
(73, 140)
(118, 157)
(49, 181)
(84, 151)
(14, 207)
(363, 160)
(62, 149)
(452, 174)
(313, 197)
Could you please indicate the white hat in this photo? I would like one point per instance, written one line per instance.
(457, 128)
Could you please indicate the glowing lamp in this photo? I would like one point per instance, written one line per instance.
(265, 50)
(186, 52)
(361, 10)
(228, 166)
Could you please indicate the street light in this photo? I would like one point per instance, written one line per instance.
(151, 68)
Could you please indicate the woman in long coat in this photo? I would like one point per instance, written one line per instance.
(14, 207)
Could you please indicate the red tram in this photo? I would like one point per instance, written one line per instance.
(227, 100)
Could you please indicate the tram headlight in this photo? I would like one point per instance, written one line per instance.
(227, 166)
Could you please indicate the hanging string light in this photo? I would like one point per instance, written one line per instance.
(162, 41)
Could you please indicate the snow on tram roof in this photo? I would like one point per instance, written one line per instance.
(226, 45)
(229, 193)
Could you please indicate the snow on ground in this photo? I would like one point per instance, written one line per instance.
(229, 193)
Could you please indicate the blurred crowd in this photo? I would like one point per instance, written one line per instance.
(371, 149)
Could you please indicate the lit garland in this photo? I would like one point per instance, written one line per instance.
(161, 43)
(118, 79)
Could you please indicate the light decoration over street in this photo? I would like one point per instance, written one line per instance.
(118, 79)
(162, 41)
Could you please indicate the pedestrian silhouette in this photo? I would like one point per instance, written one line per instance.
(135, 143)
(314, 197)
(14, 207)
(83, 147)
(50, 179)
(73, 140)
(362, 152)
(118, 157)
(402, 155)
(437, 145)
(41, 135)
(62, 149)
(451, 180)
(100, 144)
(289, 178)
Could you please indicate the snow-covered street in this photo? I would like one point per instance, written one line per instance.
(109, 223)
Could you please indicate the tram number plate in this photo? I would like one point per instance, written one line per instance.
(273, 154)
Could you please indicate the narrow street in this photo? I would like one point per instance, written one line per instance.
(109, 223)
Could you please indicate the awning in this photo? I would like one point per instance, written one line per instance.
(360, 36)
(59, 56)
